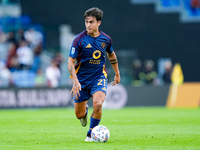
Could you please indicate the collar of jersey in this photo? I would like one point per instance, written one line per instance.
(94, 37)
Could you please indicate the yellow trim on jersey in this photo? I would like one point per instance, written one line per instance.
(78, 68)
(104, 71)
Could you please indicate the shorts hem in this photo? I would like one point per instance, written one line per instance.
(97, 91)
(78, 101)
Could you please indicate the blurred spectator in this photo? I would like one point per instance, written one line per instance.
(20, 35)
(195, 6)
(177, 75)
(53, 74)
(3, 45)
(33, 37)
(40, 78)
(36, 59)
(195, 3)
(35, 41)
(11, 37)
(150, 73)
(5, 75)
(168, 72)
(24, 56)
(58, 58)
(12, 63)
(2, 37)
(138, 74)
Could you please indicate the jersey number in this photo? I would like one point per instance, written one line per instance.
(100, 82)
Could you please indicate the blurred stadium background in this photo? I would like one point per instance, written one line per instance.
(150, 38)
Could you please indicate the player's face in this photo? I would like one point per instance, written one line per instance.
(92, 25)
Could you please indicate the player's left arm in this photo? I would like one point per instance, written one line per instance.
(113, 60)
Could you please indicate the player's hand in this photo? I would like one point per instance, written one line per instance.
(76, 88)
(116, 79)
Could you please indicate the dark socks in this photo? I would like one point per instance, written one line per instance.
(93, 122)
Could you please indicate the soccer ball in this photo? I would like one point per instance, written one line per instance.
(100, 134)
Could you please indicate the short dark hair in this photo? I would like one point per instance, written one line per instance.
(94, 12)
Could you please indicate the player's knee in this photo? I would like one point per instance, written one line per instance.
(80, 115)
(97, 106)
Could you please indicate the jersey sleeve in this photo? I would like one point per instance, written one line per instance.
(74, 50)
(110, 47)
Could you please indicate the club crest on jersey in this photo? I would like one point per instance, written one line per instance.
(89, 46)
(96, 54)
(103, 44)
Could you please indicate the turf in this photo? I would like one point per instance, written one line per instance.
(130, 128)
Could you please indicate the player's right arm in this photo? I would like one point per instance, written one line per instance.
(76, 84)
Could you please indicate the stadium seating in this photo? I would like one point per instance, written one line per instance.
(24, 78)
(187, 12)
(14, 23)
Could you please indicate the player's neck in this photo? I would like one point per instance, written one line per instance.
(95, 34)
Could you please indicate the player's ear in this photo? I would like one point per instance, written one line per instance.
(99, 22)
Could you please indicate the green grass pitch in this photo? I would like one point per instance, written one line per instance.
(130, 128)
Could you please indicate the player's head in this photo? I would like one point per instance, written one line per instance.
(94, 12)
(93, 18)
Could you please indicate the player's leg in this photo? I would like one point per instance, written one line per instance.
(98, 99)
(98, 92)
(81, 111)
(81, 107)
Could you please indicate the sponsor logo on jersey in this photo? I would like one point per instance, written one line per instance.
(96, 54)
(88, 46)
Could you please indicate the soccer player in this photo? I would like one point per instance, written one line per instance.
(89, 76)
